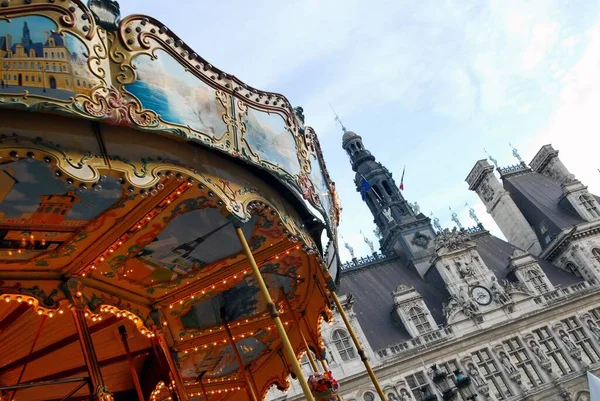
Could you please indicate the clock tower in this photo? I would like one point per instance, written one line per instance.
(404, 230)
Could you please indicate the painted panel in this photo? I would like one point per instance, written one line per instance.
(267, 136)
(191, 241)
(38, 212)
(166, 87)
(220, 361)
(38, 60)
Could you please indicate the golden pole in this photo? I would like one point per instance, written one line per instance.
(308, 352)
(134, 375)
(361, 352)
(99, 389)
(272, 308)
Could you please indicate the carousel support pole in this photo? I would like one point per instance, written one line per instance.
(248, 386)
(181, 391)
(134, 375)
(313, 364)
(360, 349)
(99, 389)
(272, 308)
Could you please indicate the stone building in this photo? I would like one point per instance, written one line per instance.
(520, 317)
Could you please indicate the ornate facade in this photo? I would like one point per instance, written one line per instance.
(521, 318)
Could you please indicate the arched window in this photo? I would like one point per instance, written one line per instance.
(589, 204)
(387, 188)
(573, 269)
(369, 397)
(377, 192)
(536, 280)
(596, 254)
(419, 319)
(342, 343)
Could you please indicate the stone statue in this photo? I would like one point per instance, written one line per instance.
(475, 376)
(349, 248)
(464, 270)
(566, 339)
(436, 222)
(472, 214)
(498, 292)
(507, 363)
(368, 242)
(470, 307)
(455, 219)
(388, 214)
(491, 158)
(516, 153)
(594, 329)
(537, 351)
(377, 232)
(416, 208)
(404, 396)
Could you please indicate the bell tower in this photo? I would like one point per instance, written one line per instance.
(404, 230)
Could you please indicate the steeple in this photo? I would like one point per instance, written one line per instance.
(26, 39)
(404, 229)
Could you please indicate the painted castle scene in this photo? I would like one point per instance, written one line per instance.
(178, 97)
(34, 58)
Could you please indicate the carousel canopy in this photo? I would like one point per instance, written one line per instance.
(126, 164)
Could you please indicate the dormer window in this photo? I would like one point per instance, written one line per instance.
(419, 319)
(544, 232)
(537, 281)
(589, 205)
(342, 343)
(571, 267)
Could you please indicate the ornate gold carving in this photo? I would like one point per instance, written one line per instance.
(111, 105)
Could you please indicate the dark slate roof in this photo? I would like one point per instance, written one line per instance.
(58, 40)
(372, 287)
(538, 197)
(38, 48)
(495, 254)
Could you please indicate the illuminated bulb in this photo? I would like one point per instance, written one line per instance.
(7, 299)
(30, 302)
(19, 299)
(60, 311)
(164, 323)
(39, 312)
(79, 293)
(50, 314)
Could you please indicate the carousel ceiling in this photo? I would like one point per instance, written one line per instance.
(118, 211)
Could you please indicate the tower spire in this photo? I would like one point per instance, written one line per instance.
(337, 118)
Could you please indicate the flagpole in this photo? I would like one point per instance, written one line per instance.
(370, 187)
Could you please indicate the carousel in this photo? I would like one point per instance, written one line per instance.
(167, 232)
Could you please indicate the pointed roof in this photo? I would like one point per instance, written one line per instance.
(539, 199)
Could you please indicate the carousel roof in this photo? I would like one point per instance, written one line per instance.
(121, 195)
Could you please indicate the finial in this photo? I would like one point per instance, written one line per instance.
(337, 118)
(491, 158)
(516, 153)
(455, 218)
(436, 222)
(348, 247)
(472, 213)
(368, 242)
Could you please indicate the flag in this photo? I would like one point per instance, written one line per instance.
(594, 386)
(402, 179)
(364, 188)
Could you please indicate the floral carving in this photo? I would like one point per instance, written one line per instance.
(111, 105)
(451, 240)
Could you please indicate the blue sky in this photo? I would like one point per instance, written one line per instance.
(427, 84)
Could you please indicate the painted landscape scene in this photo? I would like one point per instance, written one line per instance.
(268, 137)
(166, 87)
